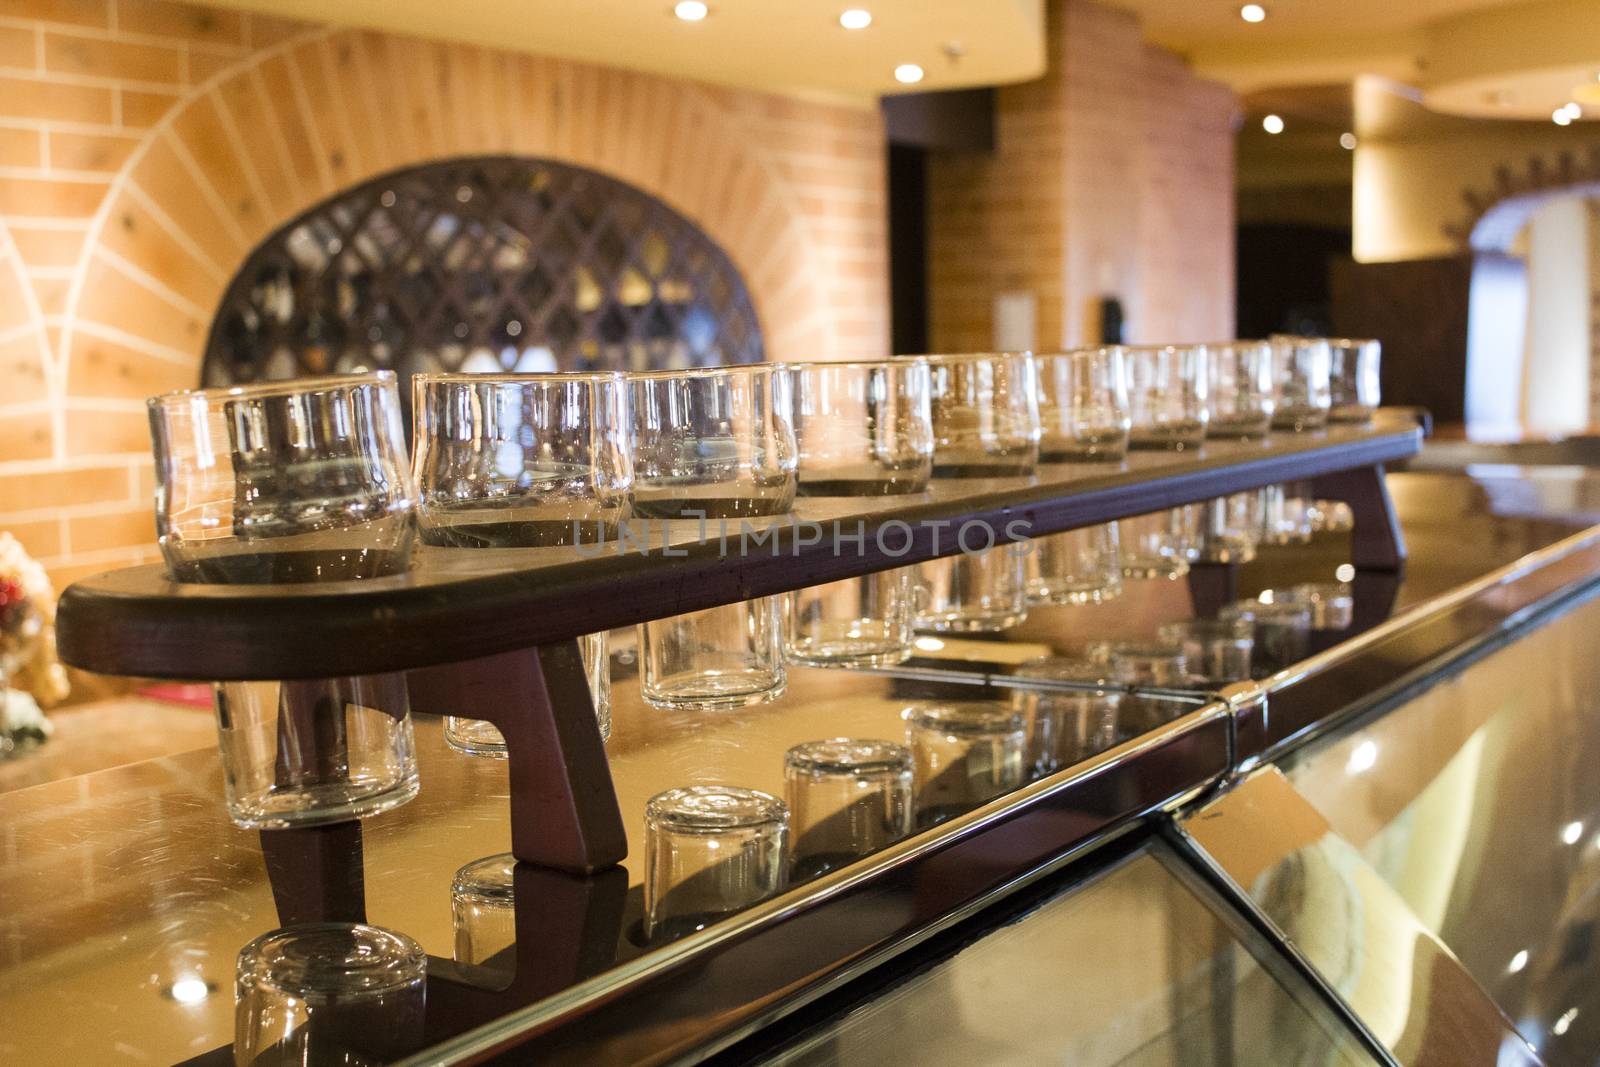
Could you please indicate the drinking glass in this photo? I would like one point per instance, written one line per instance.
(976, 592)
(715, 443)
(863, 429)
(344, 993)
(858, 622)
(310, 752)
(1286, 519)
(1241, 389)
(965, 755)
(521, 460)
(1353, 376)
(1229, 529)
(1282, 632)
(1217, 650)
(710, 851)
(847, 798)
(1331, 603)
(1083, 406)
(483, 909)
(1066, 725)
(297, 481)
(1161, 663)
(1167, 395)
(985, 415)
(1154, 545)
(1300, 368)
(724, 657)
(1082, 566)
(476, 737)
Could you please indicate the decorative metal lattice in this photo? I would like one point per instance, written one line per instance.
(488, 264)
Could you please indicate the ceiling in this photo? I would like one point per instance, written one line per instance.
(796, 47)
(1515, 59)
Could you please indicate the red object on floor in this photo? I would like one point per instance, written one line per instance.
(194, 694)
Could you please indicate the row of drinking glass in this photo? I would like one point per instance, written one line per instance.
(307, 480)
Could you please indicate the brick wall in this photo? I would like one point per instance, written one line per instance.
(1112, 175)
(146, 146)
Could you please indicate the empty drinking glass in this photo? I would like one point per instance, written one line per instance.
(1353, 375)
(1217, 650)
(1066, 725)
(1154, 545)
(1282, 632)
(1159, 663)
(1300, 368)
(859, 622)
(521, 460)
(966, 754)
(1229, 529)
(1083, 406)
(483, 910)
(1082, 566)
(863, 429)
(1286, 519)
(723, 657)
(715, 443)
(297, 481)
(1167, 395)
(312, 752)
(710, 851)
(985, 415)
(847, 798)
(1241, 389)
(973, 592)
(1332, 604)
(476, 737)
(345, 993)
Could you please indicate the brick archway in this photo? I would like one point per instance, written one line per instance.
(1494, 216)
(262, 142)
(27, 424)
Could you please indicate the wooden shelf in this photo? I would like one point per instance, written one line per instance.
(462, 604)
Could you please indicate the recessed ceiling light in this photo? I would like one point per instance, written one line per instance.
(1272, 124)
(1252, 12)
(908, 73)
(691, 10)
(1347, 141)
(855, 18)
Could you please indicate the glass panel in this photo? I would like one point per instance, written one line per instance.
(1136, 967)
(1477, 802)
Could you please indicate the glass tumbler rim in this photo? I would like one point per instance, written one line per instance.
(696, 373)
(713, 809)
(1063, 669)
(511, 378)
(847, 755)
(332, 959)
(971, 717)
(323, 383)
(487, 879)
(798, 365)
(958, 357)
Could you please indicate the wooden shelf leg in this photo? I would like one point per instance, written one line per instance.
(316, 873)
(564, 810)
(1376, 542)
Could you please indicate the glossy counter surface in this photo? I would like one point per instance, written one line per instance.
(122, 884)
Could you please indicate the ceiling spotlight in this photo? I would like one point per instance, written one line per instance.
(855, 18)
(1571, 832)
(1574, 112)
(908, 74)
(1347, 141)
(691, 10)
(1519, 961)
(1560, 117)
(1252, 12)
(1272, 124)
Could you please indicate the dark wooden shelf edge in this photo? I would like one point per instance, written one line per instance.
(136, 622)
